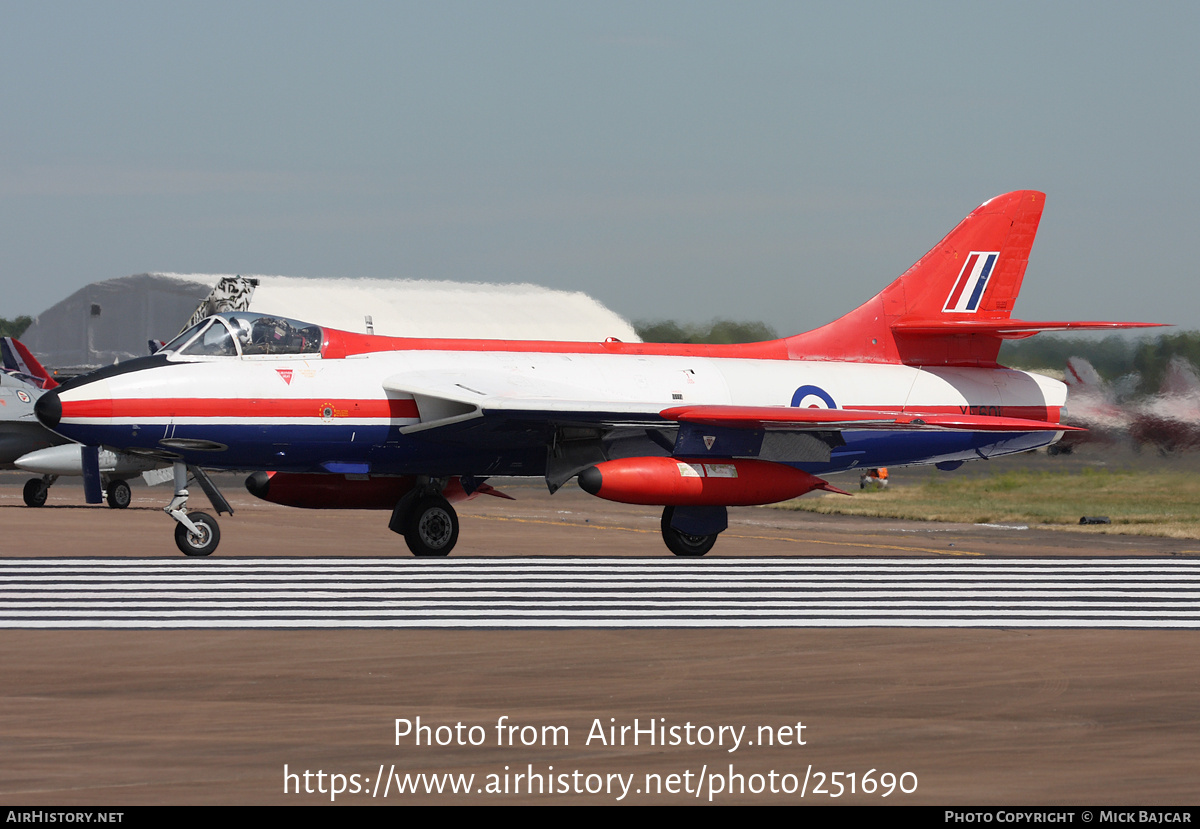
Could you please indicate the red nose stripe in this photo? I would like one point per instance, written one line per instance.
(87, 408)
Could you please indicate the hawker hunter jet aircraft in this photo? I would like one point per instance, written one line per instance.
(333, 419)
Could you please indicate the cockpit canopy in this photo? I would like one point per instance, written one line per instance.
(242, 334)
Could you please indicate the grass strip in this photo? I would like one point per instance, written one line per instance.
(1163, 503)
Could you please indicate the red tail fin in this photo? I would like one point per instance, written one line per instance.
(954, 306)
(973, 273)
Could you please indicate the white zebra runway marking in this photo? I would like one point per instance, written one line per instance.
(252, 593)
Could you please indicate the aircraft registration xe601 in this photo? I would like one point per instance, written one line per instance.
(332, 419)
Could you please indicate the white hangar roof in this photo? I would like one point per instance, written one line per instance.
(114, 319)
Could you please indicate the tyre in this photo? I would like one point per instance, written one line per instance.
(682, 544)
(202, 543)
(118, 495)
(35, 493)
(431, 527)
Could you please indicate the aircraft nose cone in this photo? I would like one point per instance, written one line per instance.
(48, 409)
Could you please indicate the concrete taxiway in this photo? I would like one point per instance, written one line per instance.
(1001, 717)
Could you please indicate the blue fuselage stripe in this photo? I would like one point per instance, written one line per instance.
(309, 448)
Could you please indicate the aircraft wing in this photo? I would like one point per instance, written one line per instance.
(445, 398)
(790, 418)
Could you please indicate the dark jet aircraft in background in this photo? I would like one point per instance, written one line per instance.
(26, 444)
(22, 381)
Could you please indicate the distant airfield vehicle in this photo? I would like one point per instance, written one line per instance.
(341, 420)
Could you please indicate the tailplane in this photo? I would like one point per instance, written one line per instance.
(954, 306)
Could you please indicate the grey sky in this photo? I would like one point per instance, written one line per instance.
(773, 161)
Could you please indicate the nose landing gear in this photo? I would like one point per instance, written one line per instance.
(203, 540)
(196, 533)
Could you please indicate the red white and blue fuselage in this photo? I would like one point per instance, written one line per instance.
(320, 415)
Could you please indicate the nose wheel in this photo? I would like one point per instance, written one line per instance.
(196, 533)
(203, 540)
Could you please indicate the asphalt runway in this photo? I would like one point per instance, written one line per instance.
(956, 717)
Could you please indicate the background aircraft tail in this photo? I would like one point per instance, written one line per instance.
(1083, 379)
(20, 362)
(231, 293)
(954, 306)
(1180, 379)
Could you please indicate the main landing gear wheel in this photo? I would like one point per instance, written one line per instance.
(119, 495)
(35, 492)
(682, 544)
(202, 543)
(432, 527)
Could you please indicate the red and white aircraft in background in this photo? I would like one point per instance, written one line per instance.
(333, 419)
(1170, 420)
(1092, 406)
